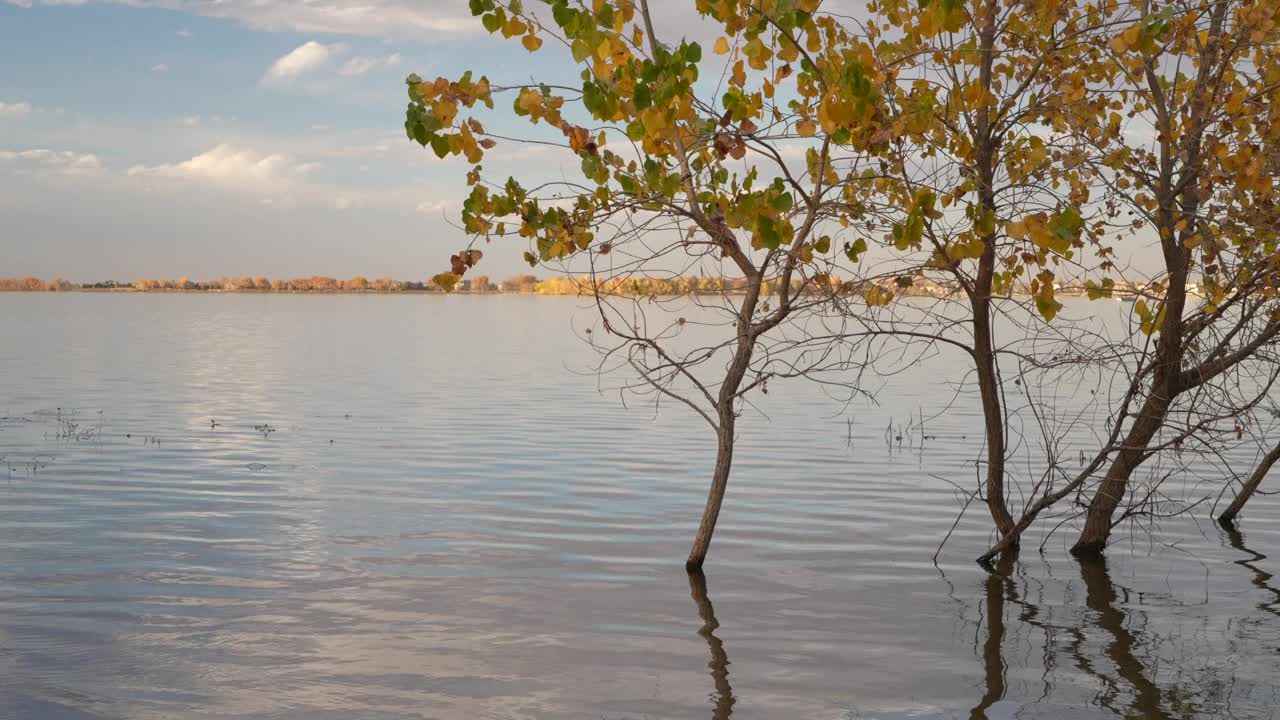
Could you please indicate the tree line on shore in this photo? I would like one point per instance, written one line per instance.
(976, 145)
(580, 285)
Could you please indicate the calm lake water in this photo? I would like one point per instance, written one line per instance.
(446, 519)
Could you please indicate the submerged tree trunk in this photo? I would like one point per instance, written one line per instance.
(1228, 516)
(719, 482)
(1097, 526)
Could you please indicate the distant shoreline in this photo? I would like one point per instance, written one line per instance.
(517, 285)
(468, 293)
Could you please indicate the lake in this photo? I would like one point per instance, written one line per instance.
(375, 507)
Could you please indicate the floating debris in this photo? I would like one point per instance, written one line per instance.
(256, 466)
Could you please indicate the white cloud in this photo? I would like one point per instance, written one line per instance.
(189, 120)
(14, 109)
(416, 19)
(65, 162)
(184, 33)
(302, 59)
(360, 65)
(233, 167)
(160, 68)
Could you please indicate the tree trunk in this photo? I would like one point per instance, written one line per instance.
(719, 482)
(980, 299)
(1097, 525)
(726, 418)
(993, 417)
(1250, 486)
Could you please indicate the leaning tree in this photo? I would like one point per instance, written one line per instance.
(1191, 93)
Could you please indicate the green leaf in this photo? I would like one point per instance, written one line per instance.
(1066, 228)
(643, 96)
(852, 251)
(1098, 291)
(767, 233)
(1047, 306)
(440, 146)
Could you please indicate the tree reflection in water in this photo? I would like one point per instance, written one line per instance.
(1260, 578)
(1107, 643)
(719, 663)
(1085, 643)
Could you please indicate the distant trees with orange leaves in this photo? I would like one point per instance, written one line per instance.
(32, 284)
(528, 284)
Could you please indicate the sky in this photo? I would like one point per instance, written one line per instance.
(163, 138)
(210, 138)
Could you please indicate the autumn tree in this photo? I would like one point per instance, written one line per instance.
(1190, 167)
(676, 176)
(1206, 78)
(981, 183)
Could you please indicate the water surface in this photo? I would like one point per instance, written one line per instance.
(423, 507)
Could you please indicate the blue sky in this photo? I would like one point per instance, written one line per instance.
(163, 138)
(159, 138)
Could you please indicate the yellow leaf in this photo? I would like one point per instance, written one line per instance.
(446, 280)
(722, 46)
(809, 6)
(806, 127)
(531, 42)
(445, 111)
(512, 28)
(878, 296)
(1127, 39)
(529, 101)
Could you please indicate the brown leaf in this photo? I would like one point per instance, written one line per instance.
(723, 144)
